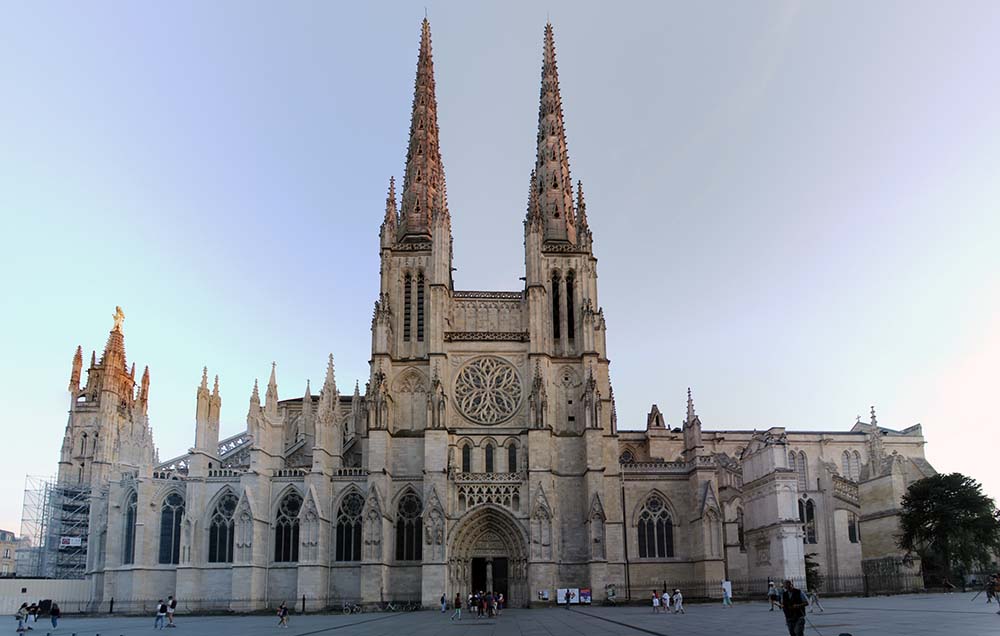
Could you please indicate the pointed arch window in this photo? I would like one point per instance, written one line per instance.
(512, 458)
(555, 306)
(740, 530)
(349, 528)
(807, 517)
(407, 306)
(420, 307)
(171, 515)
(656, 530)
(797, 461)
(409, 528)
(128, 539)
(489, 458)
(850, 464)
(466, 458)
(220, 530)
(853, 530)
(286, 529)
(570, 316)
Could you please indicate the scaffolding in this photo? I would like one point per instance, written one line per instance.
(55, 523)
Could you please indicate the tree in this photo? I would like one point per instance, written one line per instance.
(948, 520)
(813, 577)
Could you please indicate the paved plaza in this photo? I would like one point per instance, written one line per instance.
(912, 615)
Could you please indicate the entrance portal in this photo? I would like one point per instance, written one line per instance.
(488, 552)
(489, 574)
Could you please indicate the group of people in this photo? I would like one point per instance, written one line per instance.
(667, 603)
(993, 589)
(480, 604)
(774, 597)
(28, 614)
(165, 611)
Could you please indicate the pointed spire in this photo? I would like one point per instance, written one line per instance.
(581, 209)
(74, 376)
(204, 379)
(144, 387)
(423, 183)
(357, 389)
(307, 402)
(271, 396)
(131, 372)
(874, 420)
(554, 189)
(690, 409)
(93, 358)
(215, 389)
(391, 212)
(255, 395)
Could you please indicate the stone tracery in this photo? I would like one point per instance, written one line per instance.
(488, 390)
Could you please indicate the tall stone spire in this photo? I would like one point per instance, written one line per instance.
(554, 189)
(391, 213)
(271, 396)
(423, 185)
(74, 376)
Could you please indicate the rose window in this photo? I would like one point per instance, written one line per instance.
(488, 390)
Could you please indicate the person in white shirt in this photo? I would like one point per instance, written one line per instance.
(678, 602)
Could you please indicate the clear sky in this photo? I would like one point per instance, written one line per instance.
(795, 205)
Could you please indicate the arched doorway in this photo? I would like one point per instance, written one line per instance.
(489, 552)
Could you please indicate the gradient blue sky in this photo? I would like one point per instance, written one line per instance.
(794, 204)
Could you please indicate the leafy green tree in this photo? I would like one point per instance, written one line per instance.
(948, 520)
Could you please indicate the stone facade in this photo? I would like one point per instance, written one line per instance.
(483, 452)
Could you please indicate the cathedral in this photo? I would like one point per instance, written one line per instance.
(483, 452)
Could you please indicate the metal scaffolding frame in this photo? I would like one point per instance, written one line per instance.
(55, 524)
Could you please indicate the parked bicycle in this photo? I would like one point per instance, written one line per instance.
(351, 608)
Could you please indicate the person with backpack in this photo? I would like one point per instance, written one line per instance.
(161, 613)
(171, 608)
(22, 617)
(55, 614)
(283, 615)
(794, 604)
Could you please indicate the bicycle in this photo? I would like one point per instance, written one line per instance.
(351, 608)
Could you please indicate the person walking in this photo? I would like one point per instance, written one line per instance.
(55, 614)
(444, 603)
(991, 589)
(678, 602)
(161, 613)
(773, 596)
(458, 607)
(656, 602)
(794, 604)
(813, 597)
(283, 615)
(22, 617)
(568, 595)
(500, 600)
(727, 594)
(171, 608)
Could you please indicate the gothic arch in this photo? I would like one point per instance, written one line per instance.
(411, 390)
(489, 531)
(209, 510)
(171, 489)
(276, 499)
(639, 505)
(339, 499)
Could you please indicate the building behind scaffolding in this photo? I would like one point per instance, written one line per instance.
(55, 522)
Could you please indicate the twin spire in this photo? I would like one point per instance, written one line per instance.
(550, 198)
(423, 184)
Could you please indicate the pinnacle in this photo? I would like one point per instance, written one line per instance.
(215, 389)
(553, 185)
(690, 408)
(255, 395)
(424, 178)
(204, 378)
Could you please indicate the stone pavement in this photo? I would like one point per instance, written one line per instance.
(912, 615)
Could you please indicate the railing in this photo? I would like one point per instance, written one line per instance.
(655, 467)
(350, 473)
(165, 474)
(290, 472)
(226, 472)
(490, 478)
(846, 490)
(755, 589)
